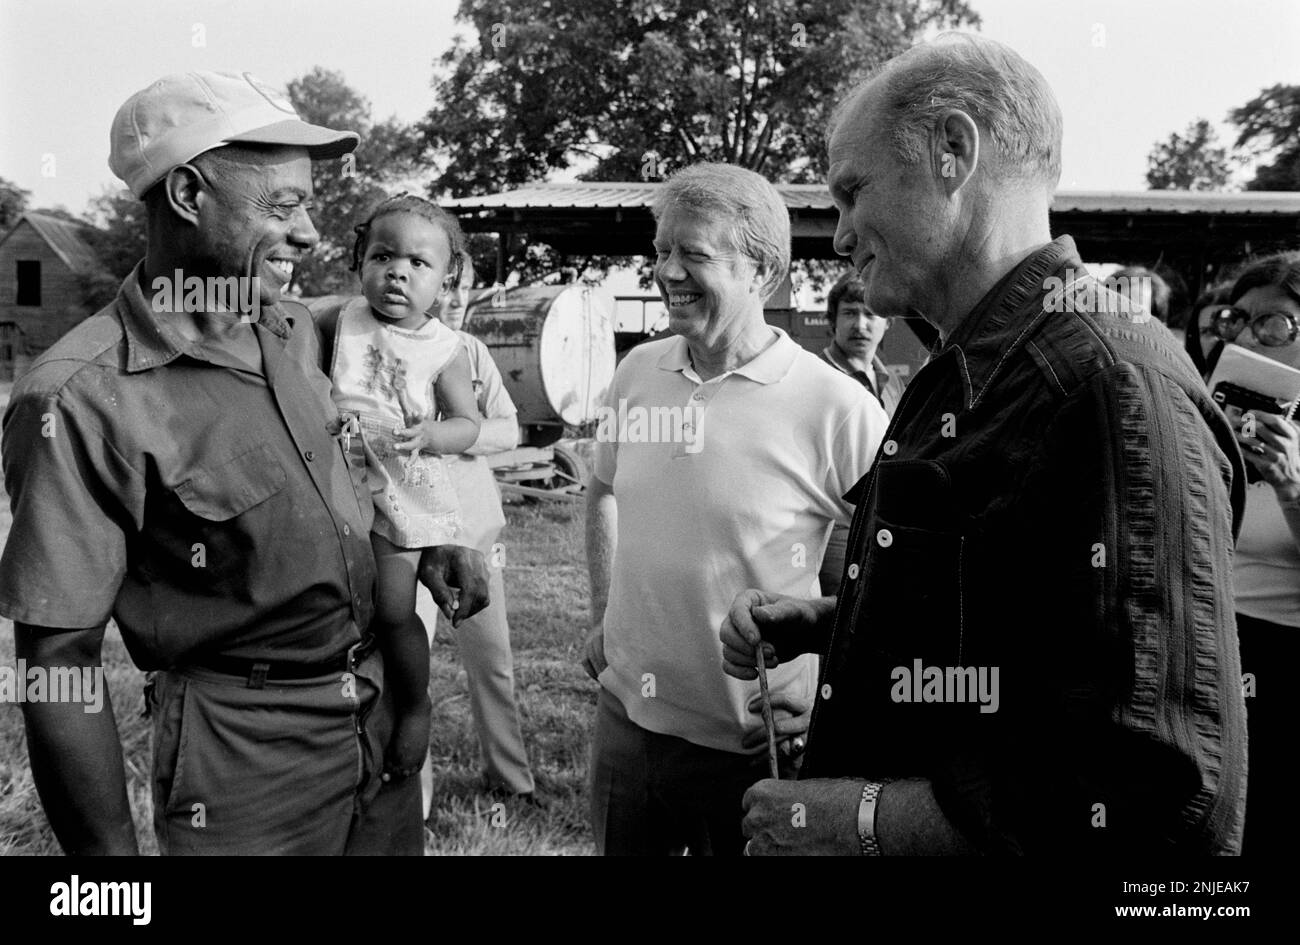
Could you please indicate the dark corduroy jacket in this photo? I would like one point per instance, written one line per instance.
(1036, 613)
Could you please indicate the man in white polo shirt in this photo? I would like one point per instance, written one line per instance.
(722, 458)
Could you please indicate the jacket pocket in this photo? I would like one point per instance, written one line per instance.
(914, 561)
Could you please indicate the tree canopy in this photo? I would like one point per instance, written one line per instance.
(622, 90)
(13, 201)
(1268, 133)
(1270, 124)
(345, 189)
(1193, 160)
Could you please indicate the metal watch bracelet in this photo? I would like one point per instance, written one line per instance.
(867, 818)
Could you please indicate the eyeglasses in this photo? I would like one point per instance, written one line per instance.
(1272, 329)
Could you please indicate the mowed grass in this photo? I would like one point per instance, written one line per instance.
(546, 587)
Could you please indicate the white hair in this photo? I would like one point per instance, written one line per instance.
(760, 221)
(1008, 99)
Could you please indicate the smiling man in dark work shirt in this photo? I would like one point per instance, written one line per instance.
(180, 471)
(1033, 649)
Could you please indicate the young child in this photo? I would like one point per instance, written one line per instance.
(393, 367)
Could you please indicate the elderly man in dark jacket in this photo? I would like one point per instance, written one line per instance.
(1033, 649)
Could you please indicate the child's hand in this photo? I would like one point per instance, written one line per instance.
(421, 436)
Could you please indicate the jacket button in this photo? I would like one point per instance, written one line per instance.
(884, 538)
(890, 447)
(347, 530)
(853, 572)
(826, 690)
(310, 455)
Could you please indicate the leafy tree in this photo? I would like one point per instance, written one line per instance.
(1270, 125)
(117, 234)
(637, 89)
(1190, 161)
(13, 201)
(346, 189)
(626, 91)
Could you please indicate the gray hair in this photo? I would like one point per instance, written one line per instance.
(760, 222)
(1008, 99)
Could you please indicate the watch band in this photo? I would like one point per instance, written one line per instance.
(867, 818)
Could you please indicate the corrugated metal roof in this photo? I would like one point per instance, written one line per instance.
(1175, 201)
(637, 194)
(65, 239)
(612, 195)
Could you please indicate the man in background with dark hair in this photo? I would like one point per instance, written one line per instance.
(856, 334)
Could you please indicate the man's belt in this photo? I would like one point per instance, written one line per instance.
(260, 672)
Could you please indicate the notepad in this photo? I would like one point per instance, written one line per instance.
(1251, 381)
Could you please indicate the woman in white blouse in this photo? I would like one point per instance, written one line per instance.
(1265, 318)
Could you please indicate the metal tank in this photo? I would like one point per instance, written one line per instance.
(554, 346)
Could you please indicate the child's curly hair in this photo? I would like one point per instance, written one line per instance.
(409, 203)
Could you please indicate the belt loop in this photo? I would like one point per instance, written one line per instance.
(257, 675)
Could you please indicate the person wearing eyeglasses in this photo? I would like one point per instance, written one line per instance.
(1264, 317)
(1201, 342)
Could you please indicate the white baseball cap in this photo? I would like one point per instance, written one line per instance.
(180, 116)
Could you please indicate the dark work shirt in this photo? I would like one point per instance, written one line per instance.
(205, 505)
(1056, 498)
(883, 385)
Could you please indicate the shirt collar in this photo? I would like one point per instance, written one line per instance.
(836, 358)
(767, 367)
(1005, 316)
(152, 341)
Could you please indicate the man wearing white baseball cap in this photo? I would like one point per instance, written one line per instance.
(181, 116)
(177, 469)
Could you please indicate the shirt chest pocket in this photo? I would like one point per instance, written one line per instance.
(228, 524)
(913, 561)
(222, 492)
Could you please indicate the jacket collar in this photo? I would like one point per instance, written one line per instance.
(152, 341)
(1000, 322)
(835, 356)
(767, 367)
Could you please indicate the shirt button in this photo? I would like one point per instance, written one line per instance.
(890, 447)
(688, 428)
(310, 455)
(884, 538)
(853, 572)
(826, 690)
(347, 530)
(698, 395)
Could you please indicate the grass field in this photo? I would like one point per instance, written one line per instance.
(546, 587)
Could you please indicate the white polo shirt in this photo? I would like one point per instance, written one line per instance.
(721, 486)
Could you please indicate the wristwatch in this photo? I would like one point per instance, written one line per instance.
(867, 818)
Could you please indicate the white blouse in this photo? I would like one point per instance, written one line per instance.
(1266, 569)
